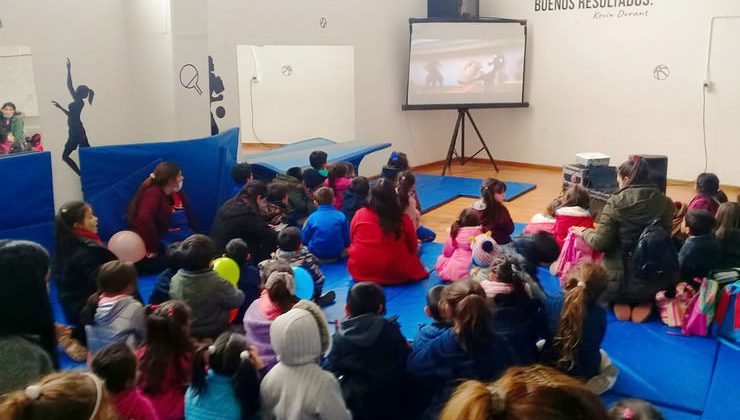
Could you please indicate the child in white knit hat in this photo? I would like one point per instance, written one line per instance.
(484, 250)
(297, 388)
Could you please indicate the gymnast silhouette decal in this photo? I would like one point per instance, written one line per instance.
(216, 86)
(76, 137)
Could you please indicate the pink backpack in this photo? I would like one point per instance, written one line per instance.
(575, 251)
(700, 312)
(673, 310)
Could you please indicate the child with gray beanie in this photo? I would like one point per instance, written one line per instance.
(297, 387)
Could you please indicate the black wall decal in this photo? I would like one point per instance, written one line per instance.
(76, 137)
(216, 86)
(189, 78)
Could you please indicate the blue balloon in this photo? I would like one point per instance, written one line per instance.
(303, 283)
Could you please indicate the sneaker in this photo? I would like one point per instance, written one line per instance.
(326, 299)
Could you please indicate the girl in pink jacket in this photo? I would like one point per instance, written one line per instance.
(340, 176)
(457, 255)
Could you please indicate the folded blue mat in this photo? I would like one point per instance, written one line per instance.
(435, 190)
(266, 164)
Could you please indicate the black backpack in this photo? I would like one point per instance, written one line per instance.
(654, 254)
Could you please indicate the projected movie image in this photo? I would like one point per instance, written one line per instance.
(466, 71)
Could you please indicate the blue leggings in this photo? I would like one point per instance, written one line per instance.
(425, 234)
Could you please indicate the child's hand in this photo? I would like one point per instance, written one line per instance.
(254, 357)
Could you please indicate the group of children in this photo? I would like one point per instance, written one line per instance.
(184, 354)
(12, 138)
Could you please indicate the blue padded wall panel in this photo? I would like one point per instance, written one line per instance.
(27, 197)
(111, 175)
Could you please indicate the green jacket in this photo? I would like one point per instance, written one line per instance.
(16, 126)
(623, 219)
(299, 203)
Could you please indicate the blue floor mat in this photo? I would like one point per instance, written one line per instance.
(658, 364)
(435, 190)
(722, 400)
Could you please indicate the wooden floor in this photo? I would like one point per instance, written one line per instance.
(548, 181)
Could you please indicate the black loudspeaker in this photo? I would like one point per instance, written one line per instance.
(657, 168)
(452, 8)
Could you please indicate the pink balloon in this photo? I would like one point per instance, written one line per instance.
(127, 246)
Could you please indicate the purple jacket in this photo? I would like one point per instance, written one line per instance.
(257, 329)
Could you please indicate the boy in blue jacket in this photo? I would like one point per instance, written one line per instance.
(326, 233)
(369, 354)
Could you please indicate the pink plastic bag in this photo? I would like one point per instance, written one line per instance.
(673, 310)
(700, 312)
(575, 251)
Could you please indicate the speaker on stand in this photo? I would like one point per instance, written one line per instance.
(453, 8)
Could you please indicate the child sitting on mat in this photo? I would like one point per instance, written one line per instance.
(164, 359)
(112, 314)
(575, 329)
(209, 296)
(397, 162)
(701, 252)
(409, 200)
(275, 208)
(434, 312)
(494, 216)
(571, 209)
(708, 195)
(116, 365)
(292, 251)
(326, 233)
(249, 275)
(339, 179)
(355, 197)
(369, 354)
(241, 173)
(225, 380)
(454, 263)
(300, 205)
(314, 176)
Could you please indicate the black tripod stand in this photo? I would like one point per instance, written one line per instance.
(460, 126)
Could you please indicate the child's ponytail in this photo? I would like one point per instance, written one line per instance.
(199, 367)
(162, 175)
(470, 314)
(585, 286)
(14, 405)
(491, 187)
(337, 171)
(405, 183)
(471, 401)
(468, 217)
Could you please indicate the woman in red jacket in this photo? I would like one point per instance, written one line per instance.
(159, 212)
(383, 241)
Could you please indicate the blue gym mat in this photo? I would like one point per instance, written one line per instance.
(266, 164)
(435, 190)
(685, 377)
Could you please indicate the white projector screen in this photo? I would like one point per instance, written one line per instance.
(464, 64)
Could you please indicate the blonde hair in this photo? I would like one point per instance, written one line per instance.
(62, 395)
(534, 392)
(584, 286)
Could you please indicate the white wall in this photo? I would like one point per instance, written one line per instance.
(591, 85)
(315, 98)
(92, 34)
(378, 31)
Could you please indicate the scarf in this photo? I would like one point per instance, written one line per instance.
(269, 309)
(89, 235)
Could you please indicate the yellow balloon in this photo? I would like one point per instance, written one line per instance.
(227, 268)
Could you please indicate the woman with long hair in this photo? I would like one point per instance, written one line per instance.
(627, 213)
(241, 217)
(383, 245)
(79, 254)
(160, 212)
(28, 345)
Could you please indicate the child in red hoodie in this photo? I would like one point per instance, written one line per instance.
(116, 365)
(569, 210)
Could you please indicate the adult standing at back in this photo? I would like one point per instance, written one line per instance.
(627, 213)
(383, 240)
(240, 217)
(12, 121)
(160, 213)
